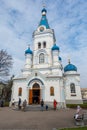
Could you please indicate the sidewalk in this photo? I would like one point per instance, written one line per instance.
(36, 120)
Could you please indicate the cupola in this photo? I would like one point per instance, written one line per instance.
(70, 67)
(55, 47)
(28, 51)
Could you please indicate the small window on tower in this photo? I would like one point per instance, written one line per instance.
(44, 44)
(41, 58)
(72, 89)
(39, 45)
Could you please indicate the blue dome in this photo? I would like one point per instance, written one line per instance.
(55, 47)
(44, 10)
(70, 67)
(28, 51)
(60, 58)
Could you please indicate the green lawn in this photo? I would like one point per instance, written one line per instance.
(79, 128)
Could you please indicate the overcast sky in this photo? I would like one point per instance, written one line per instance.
(68, 18)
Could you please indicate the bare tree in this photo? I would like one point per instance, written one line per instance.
(5, 63)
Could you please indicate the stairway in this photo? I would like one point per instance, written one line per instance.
(36, 108)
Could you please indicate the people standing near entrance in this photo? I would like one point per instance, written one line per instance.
(46, 107)
(42, 105)
(55, 104)
(19, 103)
(24, 105)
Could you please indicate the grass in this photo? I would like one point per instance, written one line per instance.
(78, 128)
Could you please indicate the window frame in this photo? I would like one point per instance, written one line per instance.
(72, 89)
(44, 44)
(51, 91)
(39, 45)
(20, 91)
(41, 58)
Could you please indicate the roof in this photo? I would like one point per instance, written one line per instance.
(70, 67)
(44, 21)
(55, 47)
(28, 51)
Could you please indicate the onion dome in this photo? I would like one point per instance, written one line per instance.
(44, 21)
(60, 59)
(44, 11)
(55, 47)
(70, 67)
(28, 51)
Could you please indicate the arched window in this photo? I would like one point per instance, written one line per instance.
(72, 88)
(20, 91)
(41, 58)
(39, 45)
(51, 91)
(44, 44)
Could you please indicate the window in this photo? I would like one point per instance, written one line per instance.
(51, 91)
(20, 92)
(72, 88)
(44, 44)
(39, 45)
(41, 58)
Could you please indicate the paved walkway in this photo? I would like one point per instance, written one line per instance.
(36, 120)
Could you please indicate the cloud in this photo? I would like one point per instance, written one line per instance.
(20, 18)
(17, 66)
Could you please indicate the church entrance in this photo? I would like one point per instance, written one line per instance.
(34, 94)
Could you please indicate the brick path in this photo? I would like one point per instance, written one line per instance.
(35, 120)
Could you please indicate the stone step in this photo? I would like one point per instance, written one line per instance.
(34, 108)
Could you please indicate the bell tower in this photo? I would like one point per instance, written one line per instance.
(44, 39)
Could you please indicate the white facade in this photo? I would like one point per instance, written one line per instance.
(43, 76)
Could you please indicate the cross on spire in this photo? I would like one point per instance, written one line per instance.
(28, 45)
(43, 3)
(69, 59)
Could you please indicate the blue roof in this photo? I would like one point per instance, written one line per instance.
(44, 21)
(44, 10)
(28, 51)
(70, 67)
(55, 47)
(60, 58)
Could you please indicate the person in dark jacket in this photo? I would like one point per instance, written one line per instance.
(19, 103)
(42, 105)
(24, 105)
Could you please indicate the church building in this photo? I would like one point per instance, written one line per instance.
(43, 75)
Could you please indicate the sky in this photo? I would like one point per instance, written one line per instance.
(20, 18)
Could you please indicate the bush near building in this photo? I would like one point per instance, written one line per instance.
(79, 128)
(84, 105)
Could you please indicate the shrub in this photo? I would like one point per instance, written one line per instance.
(79, 128)
(84, 105)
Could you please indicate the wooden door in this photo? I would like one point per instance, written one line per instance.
(30, 96)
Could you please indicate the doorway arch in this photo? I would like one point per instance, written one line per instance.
(34, 94)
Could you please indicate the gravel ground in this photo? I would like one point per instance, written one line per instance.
(35, 120)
